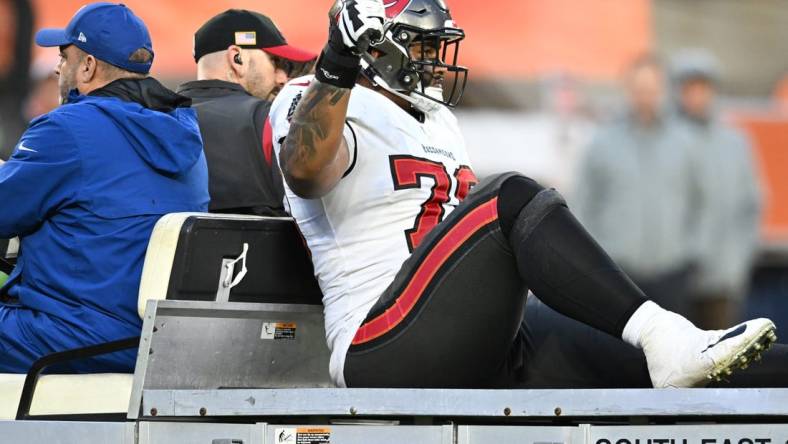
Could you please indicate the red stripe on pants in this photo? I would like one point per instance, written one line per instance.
(462, 230)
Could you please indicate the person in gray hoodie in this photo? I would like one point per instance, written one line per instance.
(730, 208)
(637, 190)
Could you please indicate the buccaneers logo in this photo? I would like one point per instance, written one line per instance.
(395, 7)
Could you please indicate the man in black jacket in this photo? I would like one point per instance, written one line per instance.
(242, 62)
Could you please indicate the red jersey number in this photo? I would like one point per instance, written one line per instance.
(465, 180)
(408, 171)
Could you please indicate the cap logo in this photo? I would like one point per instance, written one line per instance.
(395, 7)
(82, 38)
(246, 38)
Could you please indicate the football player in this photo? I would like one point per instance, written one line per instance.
(424, 280)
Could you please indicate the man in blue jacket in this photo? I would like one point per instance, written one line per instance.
(84, 187)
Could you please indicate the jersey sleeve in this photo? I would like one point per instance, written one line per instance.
(282, 109)
(352, 146)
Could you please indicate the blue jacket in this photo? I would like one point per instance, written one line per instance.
(83, 190)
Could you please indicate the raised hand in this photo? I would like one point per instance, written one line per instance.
(353, 25)
(358, 22)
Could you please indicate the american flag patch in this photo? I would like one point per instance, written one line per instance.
(246, 38)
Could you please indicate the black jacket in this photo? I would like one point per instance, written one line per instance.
(244, 175)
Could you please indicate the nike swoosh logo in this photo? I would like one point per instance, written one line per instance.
(388, 5)
(24, 148)
(728, 335)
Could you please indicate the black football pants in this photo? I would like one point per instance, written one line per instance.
(452, 316)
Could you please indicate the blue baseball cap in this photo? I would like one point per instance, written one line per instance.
(108, 31)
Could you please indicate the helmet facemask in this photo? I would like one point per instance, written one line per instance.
(418, 65)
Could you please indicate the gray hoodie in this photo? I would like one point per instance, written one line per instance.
(730, 205)
(730, 208)
(637, 194)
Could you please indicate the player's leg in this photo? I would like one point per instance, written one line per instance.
(561, 263)
(452, 312)
(400, 345)
(570, 272)
(563, 353)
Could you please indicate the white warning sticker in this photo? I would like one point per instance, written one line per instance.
(285, 436)
(278, 330)
(302, 435)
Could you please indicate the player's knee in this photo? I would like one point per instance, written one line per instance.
(523, 202)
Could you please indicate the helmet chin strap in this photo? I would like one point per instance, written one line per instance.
(421, 103)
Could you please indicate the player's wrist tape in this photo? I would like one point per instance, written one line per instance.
(337, 69)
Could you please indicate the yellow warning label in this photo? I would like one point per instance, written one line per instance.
(313, 435)
(318, 430)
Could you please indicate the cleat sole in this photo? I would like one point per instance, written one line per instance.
(750, 352)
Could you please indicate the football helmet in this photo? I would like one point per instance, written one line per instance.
(417, 55)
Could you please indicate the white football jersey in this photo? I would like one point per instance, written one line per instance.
(402, 179)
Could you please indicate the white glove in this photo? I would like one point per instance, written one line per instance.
(360, 22)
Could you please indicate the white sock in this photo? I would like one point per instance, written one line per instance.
(639, 320)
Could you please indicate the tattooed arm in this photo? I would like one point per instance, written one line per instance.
(314, 156)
